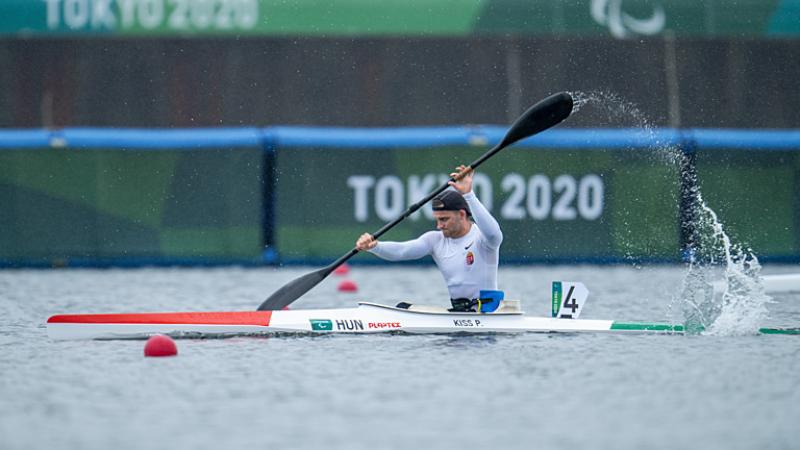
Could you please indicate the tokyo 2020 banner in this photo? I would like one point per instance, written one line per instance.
(615, 18)
(551, 204)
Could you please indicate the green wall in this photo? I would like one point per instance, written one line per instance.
(581, 195)
(60, 206)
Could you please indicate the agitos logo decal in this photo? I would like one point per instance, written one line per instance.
(609, 13)
(321, 324)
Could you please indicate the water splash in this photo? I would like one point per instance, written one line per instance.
(614, 105)
(738, 305)
(609, 107)
(619, 110)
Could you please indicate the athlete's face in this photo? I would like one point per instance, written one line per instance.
(452, 224)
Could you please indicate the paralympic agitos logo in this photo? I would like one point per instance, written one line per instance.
(610, 13)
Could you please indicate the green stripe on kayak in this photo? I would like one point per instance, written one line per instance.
(634, 326)
(779, 330)
(665, 327)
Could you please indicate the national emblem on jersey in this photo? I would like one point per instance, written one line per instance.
(470, 258)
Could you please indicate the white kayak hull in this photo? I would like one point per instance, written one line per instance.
(568, 299)
(365, 319)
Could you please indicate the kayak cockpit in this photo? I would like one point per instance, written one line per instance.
(507, 307)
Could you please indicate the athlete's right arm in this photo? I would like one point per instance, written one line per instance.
(402, 251)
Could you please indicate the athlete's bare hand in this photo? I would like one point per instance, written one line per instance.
(366, 242)
(463, 176)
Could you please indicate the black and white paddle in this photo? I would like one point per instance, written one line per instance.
(539, 117)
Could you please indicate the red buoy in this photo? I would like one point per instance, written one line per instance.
(344, 269)
(160, 345)
(348, 286)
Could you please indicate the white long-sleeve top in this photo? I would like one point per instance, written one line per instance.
(468, 264)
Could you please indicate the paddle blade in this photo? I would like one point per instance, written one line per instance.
(293, 290)
(539, 117)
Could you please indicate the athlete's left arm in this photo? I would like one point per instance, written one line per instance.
(486, 223)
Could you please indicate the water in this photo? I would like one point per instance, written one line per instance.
(388, 391)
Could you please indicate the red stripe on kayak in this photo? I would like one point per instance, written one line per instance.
(261, 318)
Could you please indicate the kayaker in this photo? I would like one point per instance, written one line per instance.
(466, 252)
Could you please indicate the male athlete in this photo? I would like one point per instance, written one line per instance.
(466, 253)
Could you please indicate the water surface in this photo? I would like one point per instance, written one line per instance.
(388, 391)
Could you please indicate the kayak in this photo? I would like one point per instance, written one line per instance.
(568, 300)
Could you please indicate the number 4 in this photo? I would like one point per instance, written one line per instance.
(569, 302)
